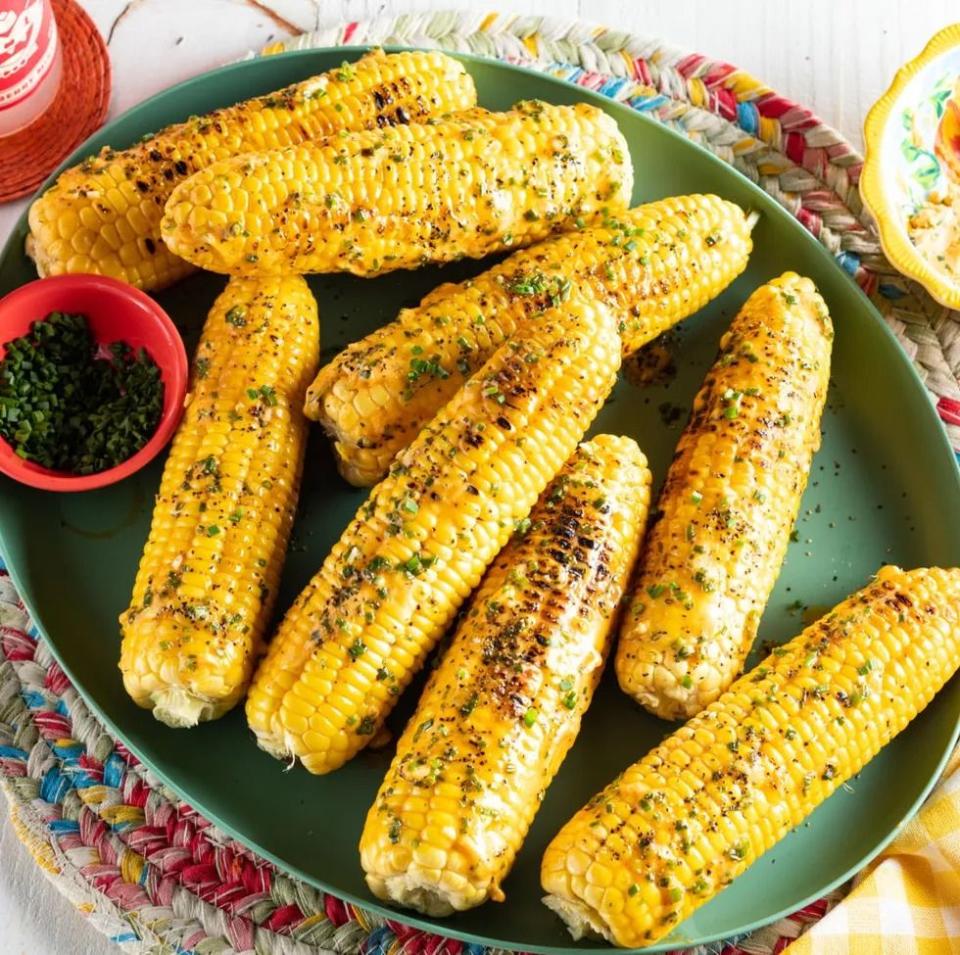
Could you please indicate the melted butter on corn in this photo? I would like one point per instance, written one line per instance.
(104, 215)
(504, 706)
(211, 565)
(402, 197)
(680, 825)
(655, 264)
(353, 639)
(729, 503)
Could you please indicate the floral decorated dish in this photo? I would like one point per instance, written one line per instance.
(911, 176)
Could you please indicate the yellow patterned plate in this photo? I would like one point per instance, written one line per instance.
(911, 176)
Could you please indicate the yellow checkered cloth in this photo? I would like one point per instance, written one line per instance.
(908, 901)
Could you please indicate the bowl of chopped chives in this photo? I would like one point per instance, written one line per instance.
(93, 375)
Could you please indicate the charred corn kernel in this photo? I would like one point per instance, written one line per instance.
(654, 265)
(104, 215)
(692, 815)
(212, 562)
(729, 503)
(354, 638)
(500, 713)
(397, 199)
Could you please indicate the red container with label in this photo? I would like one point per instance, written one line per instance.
(30, 62)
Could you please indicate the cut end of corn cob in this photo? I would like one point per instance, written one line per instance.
(104, 215)
(729, 503)
(679, 826)
(181, 709)
(420, 893)
(211, 565)
(364, 625)
(655, 265)
(372, 202)
(504, 706)
(582, 922)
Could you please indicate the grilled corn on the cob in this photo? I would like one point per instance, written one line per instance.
(729, 502)
(375, 201)
(499, 715)
(212, 562)
(655, 265)
(681, 824)
(363, 626)
(104, 215)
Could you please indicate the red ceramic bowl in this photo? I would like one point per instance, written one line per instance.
(116, 312)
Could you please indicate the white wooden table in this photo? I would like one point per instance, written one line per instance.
(834, 56)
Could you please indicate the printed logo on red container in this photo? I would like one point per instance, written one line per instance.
(28, 45)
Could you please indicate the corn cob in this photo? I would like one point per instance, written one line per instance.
(104, 215)
(729, 503)
(655, 265)
(399, 198)
(212, 562)
(692, 815)
(363, 626)
(499, 715)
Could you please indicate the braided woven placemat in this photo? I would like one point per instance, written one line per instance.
(157, 877)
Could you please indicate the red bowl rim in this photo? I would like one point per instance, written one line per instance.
(174, 381)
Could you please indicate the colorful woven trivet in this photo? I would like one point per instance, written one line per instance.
(147, 869)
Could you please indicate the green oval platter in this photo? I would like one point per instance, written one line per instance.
(884, 489)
